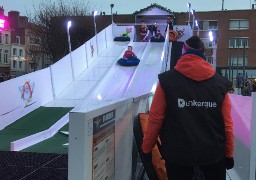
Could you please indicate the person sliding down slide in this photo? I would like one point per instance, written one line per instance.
(158, 37)
(129, 54)
(129, 58)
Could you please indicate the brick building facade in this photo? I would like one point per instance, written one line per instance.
(235, 35)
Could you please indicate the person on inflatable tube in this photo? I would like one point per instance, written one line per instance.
(129, 58)
(158, 37)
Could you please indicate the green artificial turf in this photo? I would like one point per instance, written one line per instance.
(36, 121)
(52, 145)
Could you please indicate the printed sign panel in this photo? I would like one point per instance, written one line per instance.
(103, 148)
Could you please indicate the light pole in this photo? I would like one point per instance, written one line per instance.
(189, 9)
(112, 19)
(111, 6)
(214, 50)
(69, 47)
(95, 29)
(69, 44)
(193, 24)
(197, 25)
(211, 36)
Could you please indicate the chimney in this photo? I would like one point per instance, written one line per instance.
(252, 6)
(13, 17)
(1, 11)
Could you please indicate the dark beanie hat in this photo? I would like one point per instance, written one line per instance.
(195, 43)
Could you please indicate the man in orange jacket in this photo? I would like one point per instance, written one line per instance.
(191, 112)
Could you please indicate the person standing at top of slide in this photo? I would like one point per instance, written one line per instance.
(143, 30)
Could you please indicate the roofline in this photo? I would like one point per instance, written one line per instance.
(221, 10)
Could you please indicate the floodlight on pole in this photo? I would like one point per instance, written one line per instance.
(111, 6)
(189, 9)
(197, 26)
(211, 36)
(69, 24)
(193, 24)
(214, 51)
(112, 19)
(95, 13)
(95, 28)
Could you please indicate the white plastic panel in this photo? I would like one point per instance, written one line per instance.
(91, 50)
(109, 35)
(23, 94)
(102, 44)
(79, 60)
(61, 74)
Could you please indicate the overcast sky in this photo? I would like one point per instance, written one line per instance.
(130, 6)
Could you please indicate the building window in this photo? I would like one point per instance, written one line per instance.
(18, 39)
(20, 52)
(238, 24)
(209, 59)
(238, 42)
(1, 38)
(208, 25)
(213, 24)
(20, 64)
(207, 43)
(14, 52)
(6, 38)
(238, 61)
(47, 56)
(200, 25)
(14, 64)
(0, 55)
(31, 66)
(5, 56)
(210, 44)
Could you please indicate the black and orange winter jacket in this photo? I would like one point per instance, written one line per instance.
(195, 68)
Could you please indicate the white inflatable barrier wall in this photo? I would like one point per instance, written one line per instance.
(79, 60)
(24, 94)
(21, 95)
(61, 74)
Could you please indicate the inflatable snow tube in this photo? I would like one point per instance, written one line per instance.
(173, 35)
(153, 39)
(122, 38)
(154, 165)
(128, 62)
